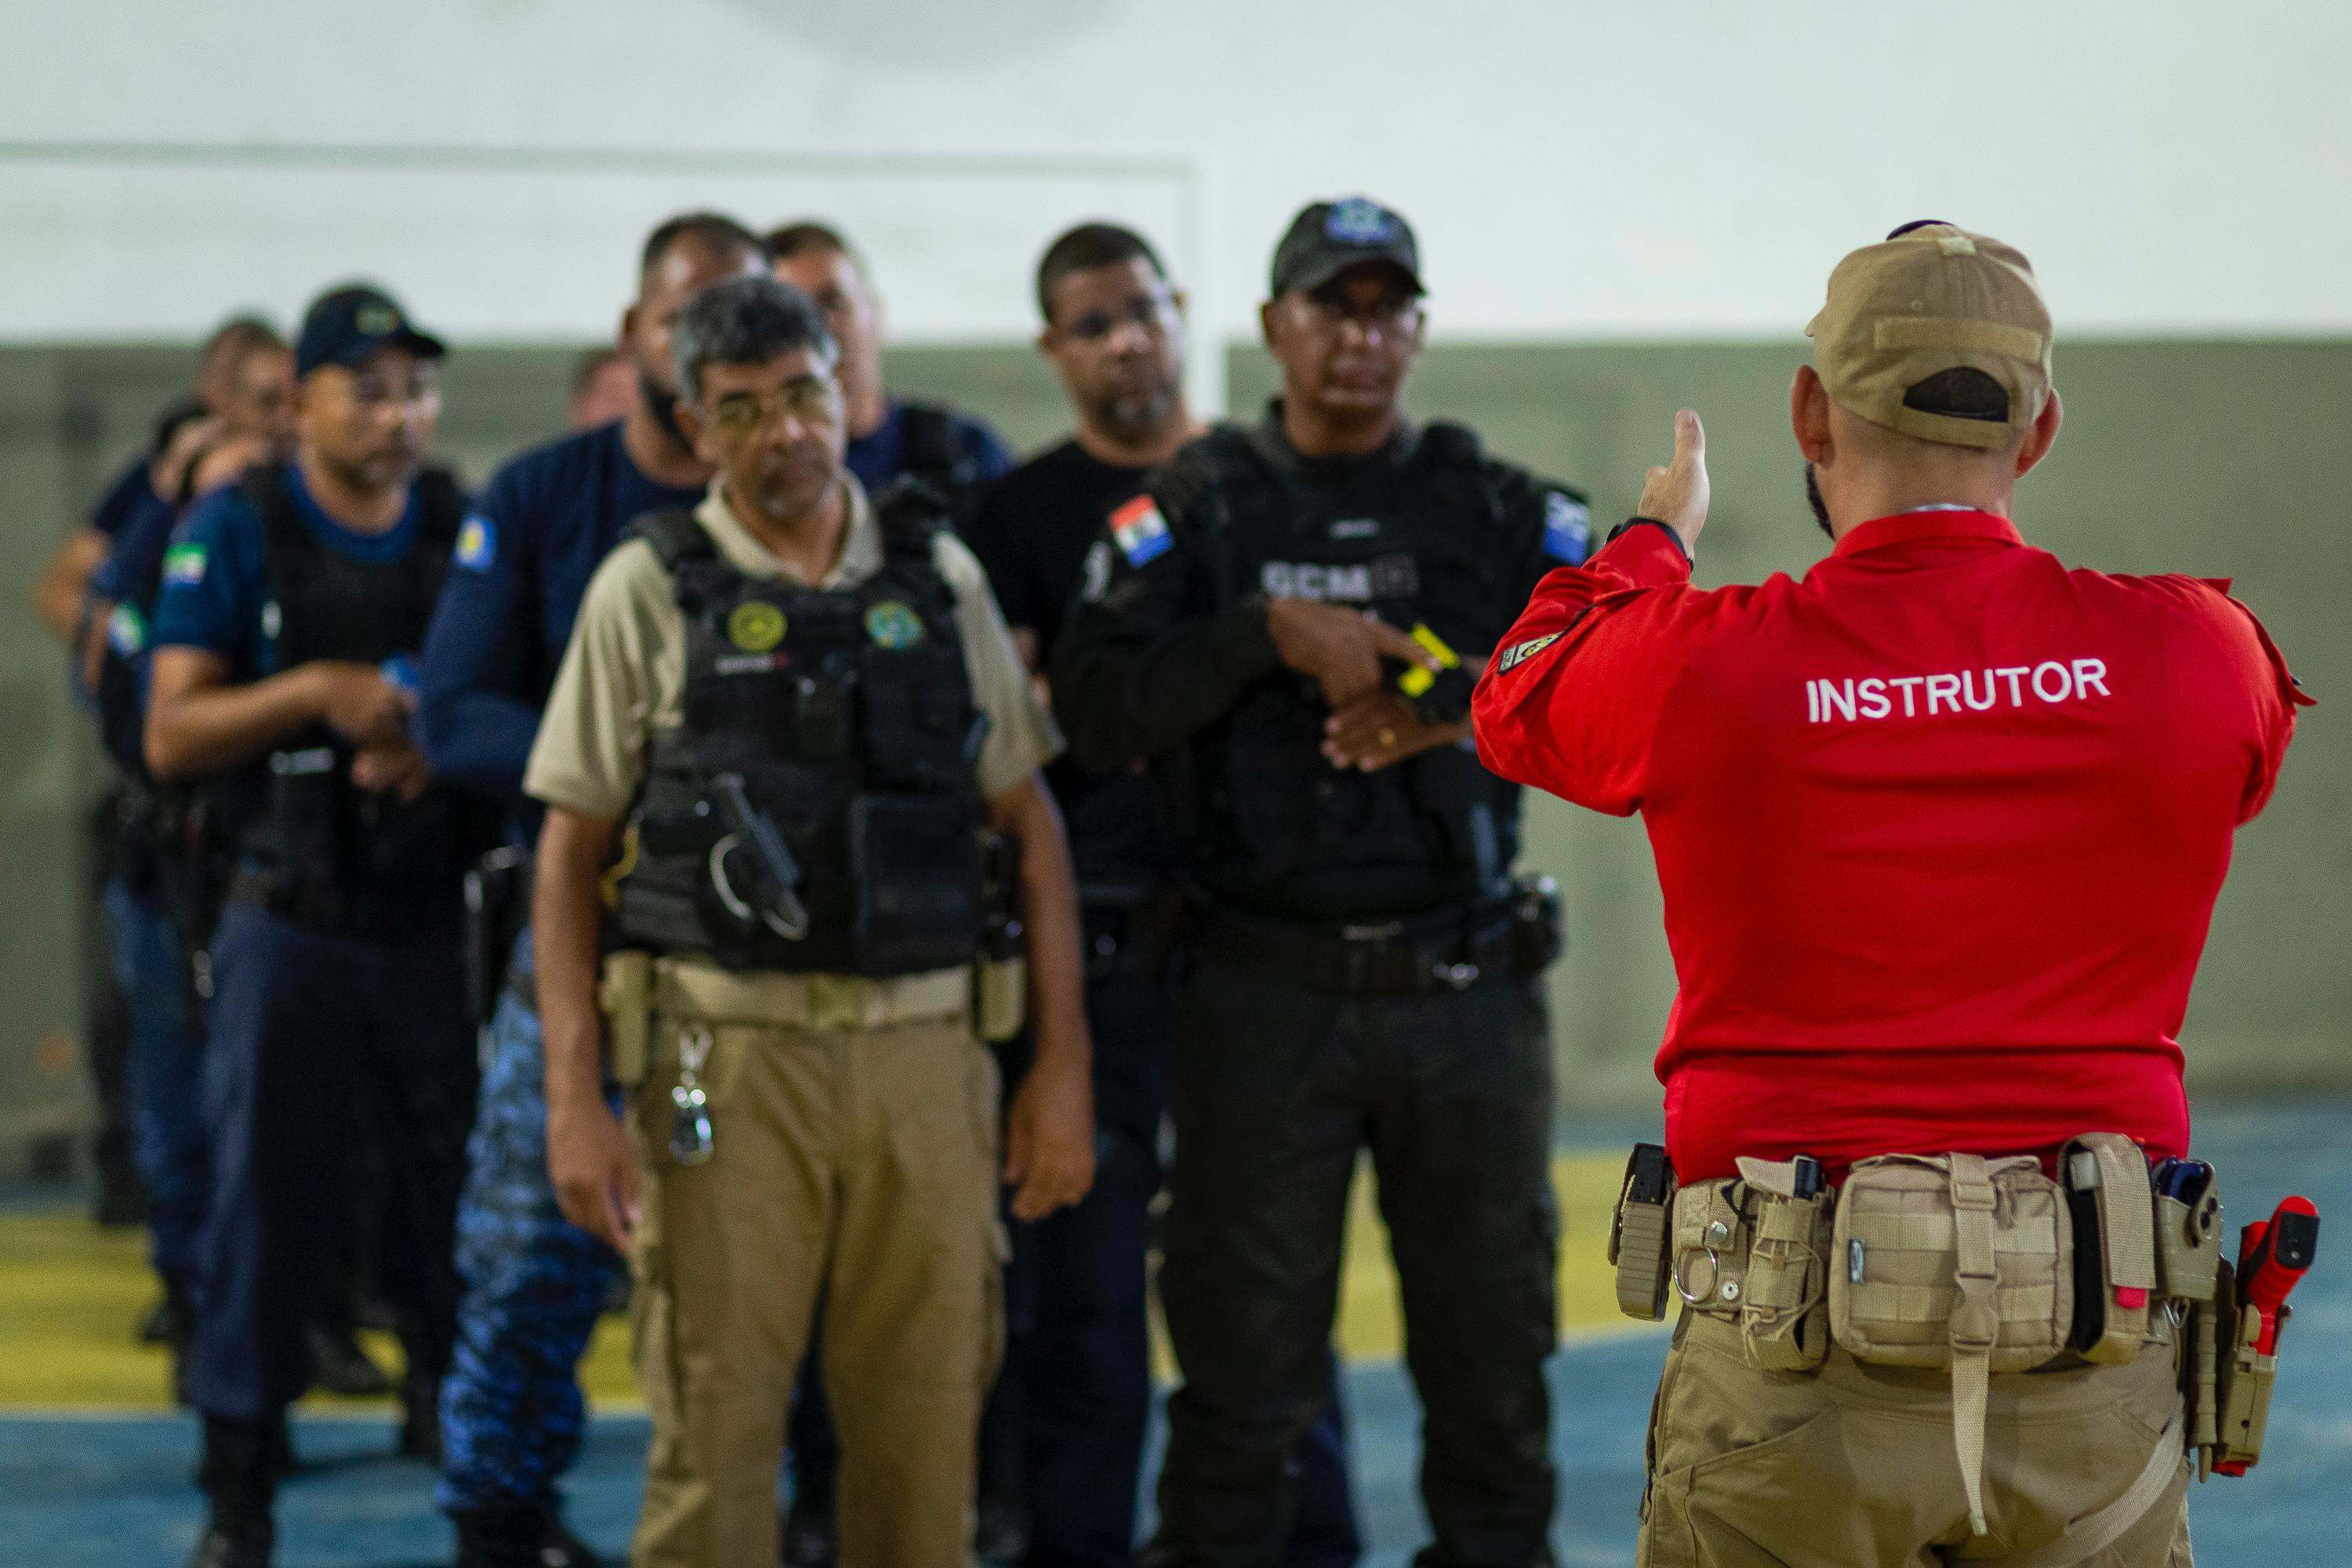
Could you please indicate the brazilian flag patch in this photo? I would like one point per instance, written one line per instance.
(184, 564)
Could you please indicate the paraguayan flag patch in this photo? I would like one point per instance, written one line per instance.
(1140, 533)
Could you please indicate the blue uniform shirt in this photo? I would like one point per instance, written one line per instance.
(140, 536)
(215, 592)
(124, 499)
(880, 455)
(523, 559)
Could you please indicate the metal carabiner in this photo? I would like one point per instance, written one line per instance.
(1716, 1234)
(690, 1143)
(739, 907)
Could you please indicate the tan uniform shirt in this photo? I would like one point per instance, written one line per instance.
(624, 675)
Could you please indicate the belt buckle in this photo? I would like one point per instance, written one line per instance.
(1460, 976)
(836, 1002)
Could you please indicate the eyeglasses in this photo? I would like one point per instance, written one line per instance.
(1380, 314)
(1149, 311)
(809, 398)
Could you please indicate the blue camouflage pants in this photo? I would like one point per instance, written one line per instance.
(512, 1408)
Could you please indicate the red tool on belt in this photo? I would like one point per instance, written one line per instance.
(2272, 1257)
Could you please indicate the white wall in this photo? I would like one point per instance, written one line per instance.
(1575, 169)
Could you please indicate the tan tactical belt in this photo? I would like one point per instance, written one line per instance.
(1962, 1262)
(637, 987)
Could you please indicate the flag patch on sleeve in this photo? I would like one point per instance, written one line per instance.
(1520, 653)
(184, 564)
(1139, 532)
(477, 543)
(1568, 529)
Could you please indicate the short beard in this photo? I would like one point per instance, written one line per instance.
(1821, 508)
(1138, 418)
(661, 402)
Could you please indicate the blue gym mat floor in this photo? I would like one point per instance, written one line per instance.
(103, 1482)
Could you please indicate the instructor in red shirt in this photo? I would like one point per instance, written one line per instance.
(1939, 829)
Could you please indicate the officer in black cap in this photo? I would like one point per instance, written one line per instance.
(1285, 626)
(290, 603)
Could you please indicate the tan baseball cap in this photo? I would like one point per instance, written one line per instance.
(1932, 298)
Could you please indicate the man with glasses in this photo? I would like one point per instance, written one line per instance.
(1078, 1374)
(784, 719)
(290, 603)
(1284, 626)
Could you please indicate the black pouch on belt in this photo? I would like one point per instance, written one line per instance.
(1640, 1236)
(1538, 935)
(498, 903)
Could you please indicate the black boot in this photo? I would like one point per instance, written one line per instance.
(810, 1539)
(420, 1419)
(340, 1365)
(237, 1473)
(558, 1548)
(519, 1538)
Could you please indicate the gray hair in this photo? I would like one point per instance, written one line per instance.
(745, 320)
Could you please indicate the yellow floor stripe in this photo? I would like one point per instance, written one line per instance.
(70, 1294)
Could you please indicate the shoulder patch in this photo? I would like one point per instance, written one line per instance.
(1566, 527)
(126, 630)
(1140, 532)
(184, 564)
(477, 543)
(1520, 653)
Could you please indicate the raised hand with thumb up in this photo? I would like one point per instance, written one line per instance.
(1677, 495)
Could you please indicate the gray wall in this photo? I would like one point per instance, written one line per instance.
(2197, 456)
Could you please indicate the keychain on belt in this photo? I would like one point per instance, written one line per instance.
(689, 1127)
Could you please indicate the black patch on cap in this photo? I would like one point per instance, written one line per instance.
(1962, 392)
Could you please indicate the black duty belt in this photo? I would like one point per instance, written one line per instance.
(1449, 951)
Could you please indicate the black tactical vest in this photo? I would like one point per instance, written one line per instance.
(118, 699)
(1274, 828)
(837, 723)
(929, 452)
(311, 845)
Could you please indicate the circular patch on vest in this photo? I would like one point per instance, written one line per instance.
(755, 626)
(893, 625)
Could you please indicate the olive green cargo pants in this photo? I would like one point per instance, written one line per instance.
(1853, 1466)
(856, 1166)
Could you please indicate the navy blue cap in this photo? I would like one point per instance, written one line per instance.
(1328, 237)
(345, 325)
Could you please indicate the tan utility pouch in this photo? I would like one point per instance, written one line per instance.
(2242, 1402)
(2110, 1169)
(1000, 997)
(625, 993)
(1955, 1261)
(1639, 1243)
(1784, 1305)
(1908, 1266)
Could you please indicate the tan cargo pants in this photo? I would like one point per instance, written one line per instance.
(1853, 1467)
(858, 1166)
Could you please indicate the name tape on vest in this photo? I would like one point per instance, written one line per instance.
(1390, 577)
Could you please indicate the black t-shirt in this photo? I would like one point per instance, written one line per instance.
(1033, 533)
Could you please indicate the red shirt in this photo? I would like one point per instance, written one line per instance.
(1939, 827)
